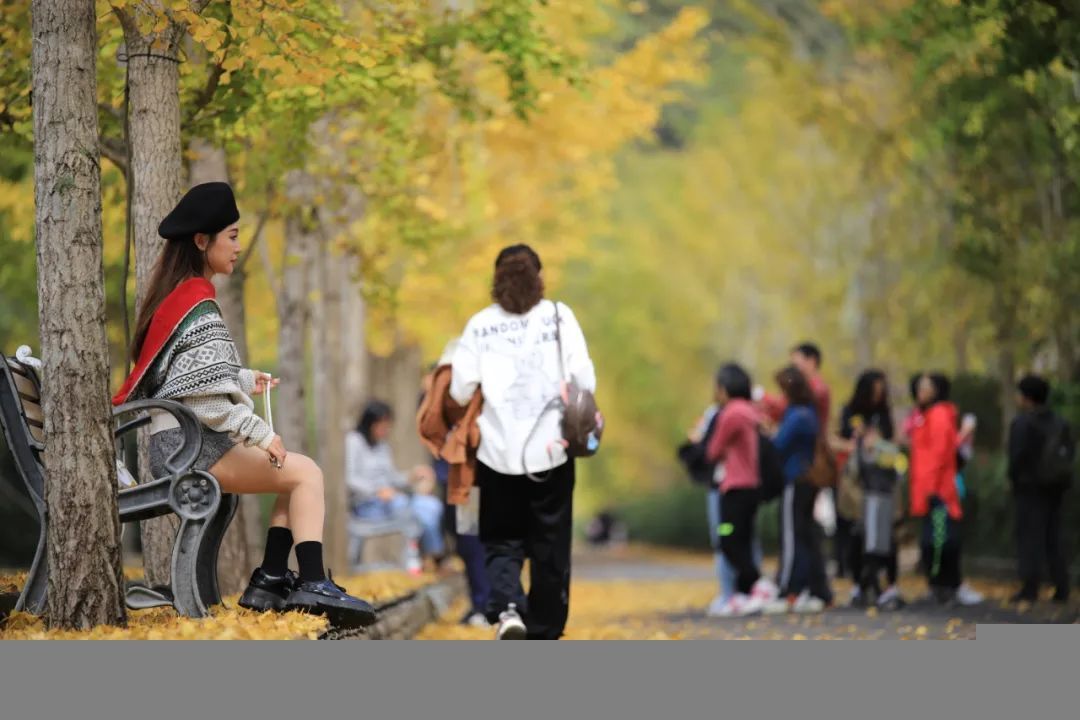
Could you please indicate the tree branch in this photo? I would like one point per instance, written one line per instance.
(213, 80)
(116, 151)
(259, 225)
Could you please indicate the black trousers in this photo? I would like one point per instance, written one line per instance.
(841, 544)
(738, 513)
(802, 565)
(519, 519)
(941, 551)
(1039, 539)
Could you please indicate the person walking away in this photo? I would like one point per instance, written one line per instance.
(735, 443)
(802, 577)
(1042, 455)
(510, 351)
(379, 492)
(183, 352)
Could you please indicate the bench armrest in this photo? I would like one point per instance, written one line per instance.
(182, 460)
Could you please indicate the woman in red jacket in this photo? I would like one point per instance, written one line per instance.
(934, 494)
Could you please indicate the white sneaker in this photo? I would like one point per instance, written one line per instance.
(807, 603)
(476, 620)
(891, 598)
(738, 606)
(765, 590)
(779, 606)
(967, 595)
(511, 626)
(718, 608)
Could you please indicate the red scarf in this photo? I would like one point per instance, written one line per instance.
(166, 319)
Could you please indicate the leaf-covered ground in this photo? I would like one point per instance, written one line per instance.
(230, 622)
(649, 594)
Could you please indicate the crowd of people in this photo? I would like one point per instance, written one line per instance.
(878, 477)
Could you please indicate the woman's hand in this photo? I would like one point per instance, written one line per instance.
(386, 494)
(261, 381)
(277, 452)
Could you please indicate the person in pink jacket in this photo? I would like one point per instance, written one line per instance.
(735, 444)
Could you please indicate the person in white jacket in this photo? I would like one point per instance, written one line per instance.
(510, 351)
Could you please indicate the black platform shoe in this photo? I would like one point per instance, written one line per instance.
(327, 598)
(268, 592)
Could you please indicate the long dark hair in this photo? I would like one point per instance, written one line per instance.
(862, 397)
(862, 401)
(796, 388)
(374, 412)
(517, 286)
(179, 260)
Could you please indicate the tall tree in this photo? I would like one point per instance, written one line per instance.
(152, 42)
(86, 584)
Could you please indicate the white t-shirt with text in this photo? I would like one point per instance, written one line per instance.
(514, 359)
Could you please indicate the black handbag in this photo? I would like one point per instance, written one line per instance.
(692, 457)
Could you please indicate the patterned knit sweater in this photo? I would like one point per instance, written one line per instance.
(200, 367)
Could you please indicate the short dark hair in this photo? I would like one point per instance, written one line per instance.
(375, 411)
(1034, 388)
(517, 286)
(810, 350)
(735, 381)
(795, 386)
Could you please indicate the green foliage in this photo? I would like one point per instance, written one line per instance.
(981, 396)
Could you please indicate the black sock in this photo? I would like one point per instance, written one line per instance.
(309, 558)
(276, 557)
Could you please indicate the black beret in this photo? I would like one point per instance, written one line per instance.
(207, 208)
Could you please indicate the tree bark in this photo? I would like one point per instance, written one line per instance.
(153, 76)
(331, 421)
(86, 583)
(293, 316)
(396, 380)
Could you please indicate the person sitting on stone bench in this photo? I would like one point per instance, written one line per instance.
(183, 351)
(380, 493)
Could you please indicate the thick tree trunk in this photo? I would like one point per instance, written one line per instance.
(293, 316)
(86, 581)
(153, 75)
(396, 380)
(330, 404)
(356, 356)
(241, 542)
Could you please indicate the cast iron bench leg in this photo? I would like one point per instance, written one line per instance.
(206, 567)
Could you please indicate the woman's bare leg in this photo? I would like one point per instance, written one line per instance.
(247, 470)
(279, 515)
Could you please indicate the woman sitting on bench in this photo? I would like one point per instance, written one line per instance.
(183, 352)
(380, 493)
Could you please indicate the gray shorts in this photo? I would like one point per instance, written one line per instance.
(162, 444)
(877, 523)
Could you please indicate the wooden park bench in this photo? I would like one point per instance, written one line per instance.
(192, 495)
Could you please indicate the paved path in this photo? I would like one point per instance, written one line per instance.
(688, 581)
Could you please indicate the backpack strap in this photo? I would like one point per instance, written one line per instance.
(556, 403)
(558, 341)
